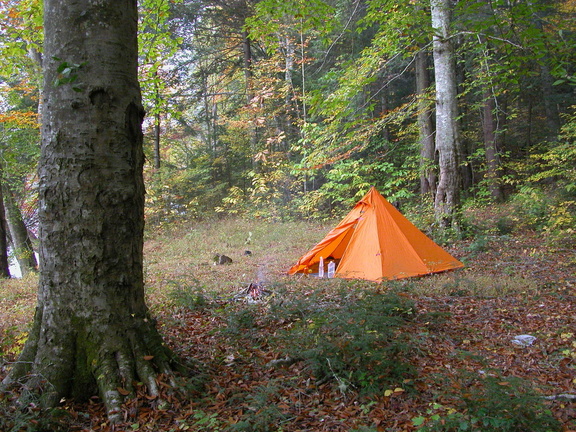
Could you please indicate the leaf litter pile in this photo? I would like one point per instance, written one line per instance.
(488, 348)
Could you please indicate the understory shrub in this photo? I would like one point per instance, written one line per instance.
(22, 413)
(490, 404)
(355, 340)
(193, 299)
(561, 226)
(531, 207)
(542, 209)
(547, 212)
(546, 201)
(263, 413)
(241, 321)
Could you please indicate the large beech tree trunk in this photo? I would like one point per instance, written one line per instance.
(447, 128)
(92, 330)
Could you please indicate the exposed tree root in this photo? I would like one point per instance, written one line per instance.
(107, 359)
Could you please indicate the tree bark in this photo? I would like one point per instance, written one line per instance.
(248, 63)
(425, 126)
(157, 159)
(247, 58)
(92, 329)
(21, 242)
(447, 127)
(490, 131)
(550, 107)
(4, 265)
(157, 125)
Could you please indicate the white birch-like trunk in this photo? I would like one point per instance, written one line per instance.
(447, 128)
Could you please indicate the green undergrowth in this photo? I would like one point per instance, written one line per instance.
(355, 339)
(358, 341)
(488, 402)
(22, 413)
(351, 338)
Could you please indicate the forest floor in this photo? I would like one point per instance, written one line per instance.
(280, 360)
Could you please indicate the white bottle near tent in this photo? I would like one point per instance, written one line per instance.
(321, 268)
(331, 269)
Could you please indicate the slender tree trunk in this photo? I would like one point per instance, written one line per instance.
(207, 115)
(425, 126)
(21, 243)
(157, 159)
(490, 131)
(547, 89)
(447, 127)
(550, 107)
(253, 129)
(247, 51)
(529, 122)
(4, 265)
(157, 124)
(289, 69)
(288, 122)
(92, 331)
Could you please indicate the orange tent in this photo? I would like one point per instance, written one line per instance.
(375, 242)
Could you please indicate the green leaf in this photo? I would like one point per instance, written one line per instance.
(418, 421)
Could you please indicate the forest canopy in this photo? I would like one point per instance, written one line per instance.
(289, 110)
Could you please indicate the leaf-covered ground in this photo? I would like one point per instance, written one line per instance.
(459, 330)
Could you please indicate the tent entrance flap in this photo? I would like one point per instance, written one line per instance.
(342, 244)
(332, 247)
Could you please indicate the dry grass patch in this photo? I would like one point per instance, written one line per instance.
(462, 283)
(183, 258)
(17, 301)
